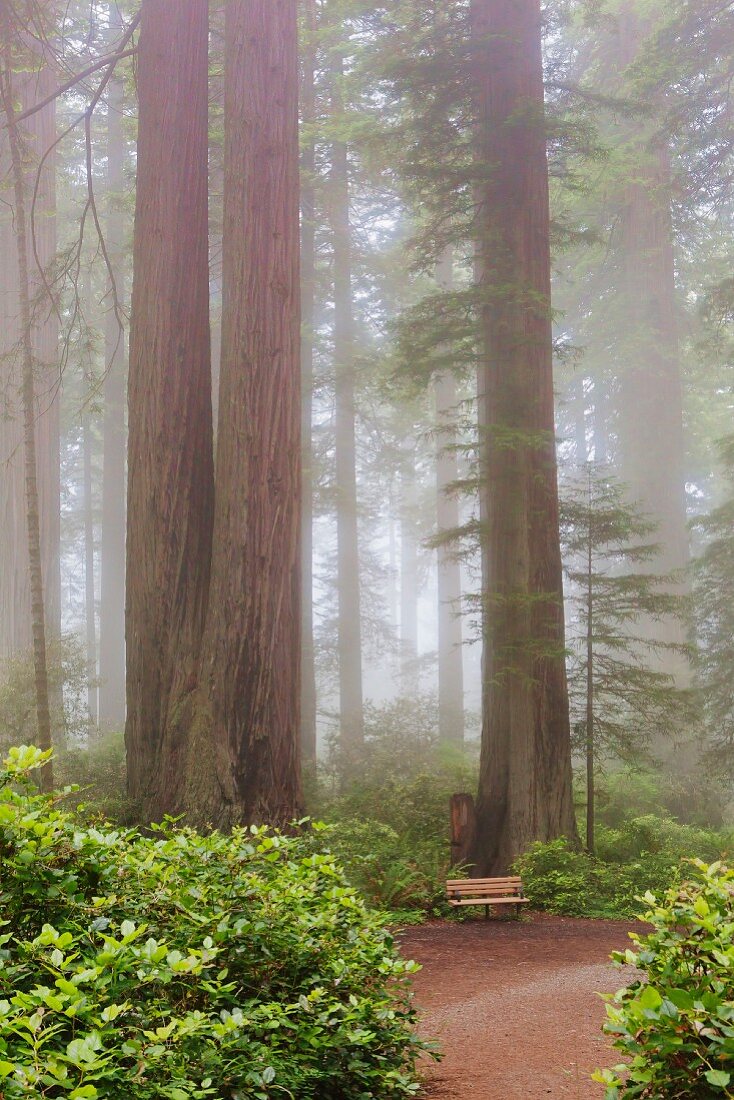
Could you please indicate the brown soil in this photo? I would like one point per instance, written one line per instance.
(514, 1005)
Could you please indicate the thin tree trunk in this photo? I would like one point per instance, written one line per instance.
(590, 717)
(15, 594)
(112, 564)
(525, 788)
(450, 641)
(38, 623)
(308, 309)
(348, 580)
(89, 591)
(249, 701)
(170, 461)
(408, 585)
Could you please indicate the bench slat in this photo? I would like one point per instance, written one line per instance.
(489, 901)
(477, 882)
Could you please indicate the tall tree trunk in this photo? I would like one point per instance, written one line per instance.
(112, 565)
(15, 594)
(590, 715)
(89, 589)
(35, 562)
(650, 425)
(410, 680)
(170, 461)
(525, 789)
(348, 591)
(250, 693)
(450, 647)
(308, 310)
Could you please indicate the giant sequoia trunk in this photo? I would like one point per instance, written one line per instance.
(650, 418)
(350, 605)
(170, 486)
(525, 789)
(250, 675)
(112, 593)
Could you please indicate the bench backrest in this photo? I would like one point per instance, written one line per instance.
(483, 887)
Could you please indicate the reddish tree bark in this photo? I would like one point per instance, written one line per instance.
(170, 485)
(525, 791)
(249, 700)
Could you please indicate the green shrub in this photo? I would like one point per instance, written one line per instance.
(389, 871)
(179, 966)
(676, 1026)
(561, 880)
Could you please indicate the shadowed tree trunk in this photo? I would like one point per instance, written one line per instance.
(170, 484)
(350, 611)
(525, 791)
(308, 300)
(450, 652)
(249, 700)
(27, 357)
(112, 564)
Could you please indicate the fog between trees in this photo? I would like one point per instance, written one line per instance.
(367, 368)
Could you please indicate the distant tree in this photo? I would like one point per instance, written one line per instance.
(621, 701)
(714, 608)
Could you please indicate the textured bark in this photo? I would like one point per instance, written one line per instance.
(650, 422)
(308, 317)
(27, 363)
(450, 641)
(112, 564)
(249, 700)
(38, 133)
(525, 789)
(350, 612)
(170, 486)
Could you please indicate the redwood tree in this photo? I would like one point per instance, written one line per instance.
(249, 699)
(525, 791)
(170, 465)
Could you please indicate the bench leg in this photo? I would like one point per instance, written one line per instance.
(486, 912)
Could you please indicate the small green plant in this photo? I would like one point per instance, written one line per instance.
(675, 1026)
(180, 966)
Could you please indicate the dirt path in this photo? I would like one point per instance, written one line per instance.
(514, 1005)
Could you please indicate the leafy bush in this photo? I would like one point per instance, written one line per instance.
(561, 880)
(179, 966)
(67, 681)
(676, 1026)
(386, 870)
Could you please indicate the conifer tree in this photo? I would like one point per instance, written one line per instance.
(621, 704)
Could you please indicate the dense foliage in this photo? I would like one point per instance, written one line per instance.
(181, 966)
(675, 1025)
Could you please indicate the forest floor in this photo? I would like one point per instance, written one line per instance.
(514, 1005)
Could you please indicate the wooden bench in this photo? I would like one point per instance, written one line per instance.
(487, 892)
